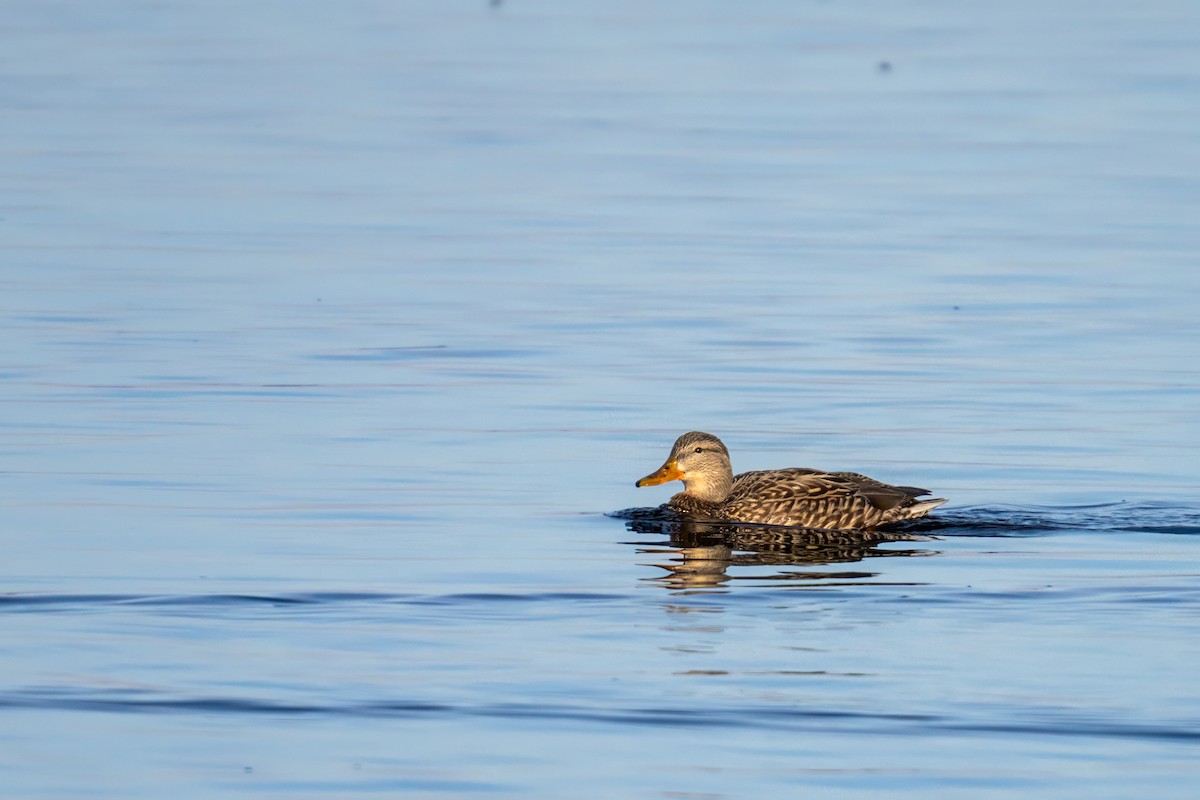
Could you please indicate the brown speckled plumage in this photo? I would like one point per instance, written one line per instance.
(797, 497)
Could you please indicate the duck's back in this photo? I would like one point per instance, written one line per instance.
(817, 499)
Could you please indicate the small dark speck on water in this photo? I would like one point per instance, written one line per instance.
(885, 66)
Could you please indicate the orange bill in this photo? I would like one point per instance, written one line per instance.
(667, 472)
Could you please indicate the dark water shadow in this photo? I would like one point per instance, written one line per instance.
(1024, 521)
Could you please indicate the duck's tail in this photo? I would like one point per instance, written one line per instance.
(922, 507)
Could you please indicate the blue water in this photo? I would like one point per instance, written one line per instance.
(336, 333)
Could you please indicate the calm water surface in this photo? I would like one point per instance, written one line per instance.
(335, 332)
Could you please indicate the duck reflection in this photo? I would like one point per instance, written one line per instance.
(706, 555)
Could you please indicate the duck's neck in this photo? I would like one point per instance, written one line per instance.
(709, 488)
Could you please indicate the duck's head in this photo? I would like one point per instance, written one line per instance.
(701, 461)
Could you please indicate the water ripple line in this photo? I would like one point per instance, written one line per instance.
(798, 719)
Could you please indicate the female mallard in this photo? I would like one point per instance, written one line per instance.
(809, 498)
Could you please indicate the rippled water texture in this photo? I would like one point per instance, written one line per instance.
(336, 335)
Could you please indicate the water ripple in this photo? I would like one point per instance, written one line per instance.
(994, 520)
(806, 719)
(30, 601)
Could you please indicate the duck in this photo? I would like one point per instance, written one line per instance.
(799, 497)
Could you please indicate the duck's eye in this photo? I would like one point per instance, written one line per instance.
(698, 450)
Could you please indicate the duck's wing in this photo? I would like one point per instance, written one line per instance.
(841, 500)
(882, 495)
